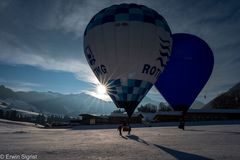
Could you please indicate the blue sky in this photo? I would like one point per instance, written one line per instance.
(41, 41)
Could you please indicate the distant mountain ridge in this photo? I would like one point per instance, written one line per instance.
(227, 100)
(57, 103)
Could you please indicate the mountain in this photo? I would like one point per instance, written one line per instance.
(227, 100)
(6, 93)
(197, 105)
(74, 104)
(56, 103)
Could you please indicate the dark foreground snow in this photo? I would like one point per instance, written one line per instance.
(162, 143)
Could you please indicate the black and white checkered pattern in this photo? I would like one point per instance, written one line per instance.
(128, 90)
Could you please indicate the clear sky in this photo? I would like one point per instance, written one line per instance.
(41, 41)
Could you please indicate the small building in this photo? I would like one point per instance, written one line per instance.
(114, 118)
(199, 114)
(93, 119)
(88, 118)
(171, 116)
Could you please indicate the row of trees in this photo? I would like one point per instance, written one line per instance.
(151, 108)
(148, 108)
(11, 114)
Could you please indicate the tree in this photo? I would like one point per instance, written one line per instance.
(118, 111)
(7, 115)
(148, 108)
(13, 115)
(163, 107)
(41, 119)
(66, 118)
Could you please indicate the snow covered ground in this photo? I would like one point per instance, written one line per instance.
(162, 143)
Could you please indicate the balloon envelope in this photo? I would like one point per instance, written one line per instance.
(189, 68)
(127, 47)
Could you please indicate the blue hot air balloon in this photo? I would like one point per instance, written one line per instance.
(188, 70)
(127, 47)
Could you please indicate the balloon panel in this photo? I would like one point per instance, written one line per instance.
(136, 51)
(189, 68)
(128, 93)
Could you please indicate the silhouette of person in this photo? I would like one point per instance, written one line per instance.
(129, 129)
(120, 130)
(181, 125)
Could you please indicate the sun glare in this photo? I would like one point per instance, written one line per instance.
(100, 93)
(101, 89)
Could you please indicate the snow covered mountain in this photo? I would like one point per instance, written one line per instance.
(56, 103)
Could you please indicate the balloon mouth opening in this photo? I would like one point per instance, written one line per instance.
(129, 106)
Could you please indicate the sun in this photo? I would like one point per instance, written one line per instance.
(101, 89)
(100, 92)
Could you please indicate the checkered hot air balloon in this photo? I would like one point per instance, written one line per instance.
(127, 47)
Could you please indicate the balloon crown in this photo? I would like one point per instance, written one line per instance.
(127, 12)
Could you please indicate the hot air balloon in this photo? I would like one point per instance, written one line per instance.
(188, 70)
(127, 47)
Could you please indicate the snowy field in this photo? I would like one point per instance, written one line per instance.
(203, 142)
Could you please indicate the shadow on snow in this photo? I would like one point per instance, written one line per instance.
(181, 155)
(137, 139)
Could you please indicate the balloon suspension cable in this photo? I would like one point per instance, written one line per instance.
(128, 120)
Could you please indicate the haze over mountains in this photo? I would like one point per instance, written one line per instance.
(56, 103)
(74, 104)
